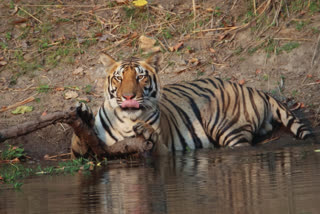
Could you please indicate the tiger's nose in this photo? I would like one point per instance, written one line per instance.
(128, 96)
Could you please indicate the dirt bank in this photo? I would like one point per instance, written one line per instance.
(48, 51)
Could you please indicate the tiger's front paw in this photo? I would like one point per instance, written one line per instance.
(85, 113)
(146, 131)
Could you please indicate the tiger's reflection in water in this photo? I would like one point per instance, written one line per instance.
(224, 181)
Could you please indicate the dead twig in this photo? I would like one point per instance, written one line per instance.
(293, 39)
(275, 19)
(57, 156)
(20, 8)
(216, 29)
(316, 49)
(269, 140)
(28, 100)
(234, 4)
(313, 83)
(194, 13)
(160, 9)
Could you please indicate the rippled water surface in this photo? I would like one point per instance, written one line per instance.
(255, 180)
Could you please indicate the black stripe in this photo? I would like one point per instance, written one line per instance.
(290, 122)
(236, 131)
(253, 103)
(228, 99)
(222, 100)
(155, 119)
(188, 124)
(241, 140)
(109, 86)
(233, 138)
(105, 114)
(263, 97)
(221, 82)
(212, 83)
(197, 86)
(169, 90)
(155, 82)
(216, 119)
(246, 114)
(106, 127)
(117, 116)
(202, 80)
(197, 141)
(236, 92)
(174, 122)
(186, 87)
(153, 94)
(301, 129)
(171, 134)
(278, 114)
(227, 125)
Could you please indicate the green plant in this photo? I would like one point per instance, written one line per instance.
(63, 20)
(300, 25)
(3, 45)
(13, 173)
(265, 77)
(314, 7)
(43, 88)
(200, 73)
(168, 16)
(294, 92)
(11, 152)
(8, 35)
(248, 17)
(217, 12)
(242, 59)
(25, 32)
(167, 33)
(315, 30)
(251, 51)
(129, 11)
(289, 46)
(274, 92)
(88, 89)
(46, 27)
(11, 5)
(238, 50)
(17, 185)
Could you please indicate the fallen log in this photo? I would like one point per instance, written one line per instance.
(86, 134)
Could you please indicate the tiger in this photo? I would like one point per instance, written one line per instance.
(203, 113)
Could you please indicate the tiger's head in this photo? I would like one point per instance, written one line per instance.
(131, 84)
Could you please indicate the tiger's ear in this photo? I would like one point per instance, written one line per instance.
(107, 61)
(154, 61)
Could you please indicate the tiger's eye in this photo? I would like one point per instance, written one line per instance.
(140, 77)
(119, 78)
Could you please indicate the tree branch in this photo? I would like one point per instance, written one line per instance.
(82, 130)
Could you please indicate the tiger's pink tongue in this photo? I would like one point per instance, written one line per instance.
(130, 104)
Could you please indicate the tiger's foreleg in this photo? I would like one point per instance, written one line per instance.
(150, 134)
(147, 131)
(79, 148)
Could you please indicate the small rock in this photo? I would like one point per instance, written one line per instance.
(2, 63)
(71, 95)
(85, 99)
(146, 42)
(78, 71)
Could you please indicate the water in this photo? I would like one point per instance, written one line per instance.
(251, 180)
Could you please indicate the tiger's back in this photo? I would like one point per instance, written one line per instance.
(211, 111)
